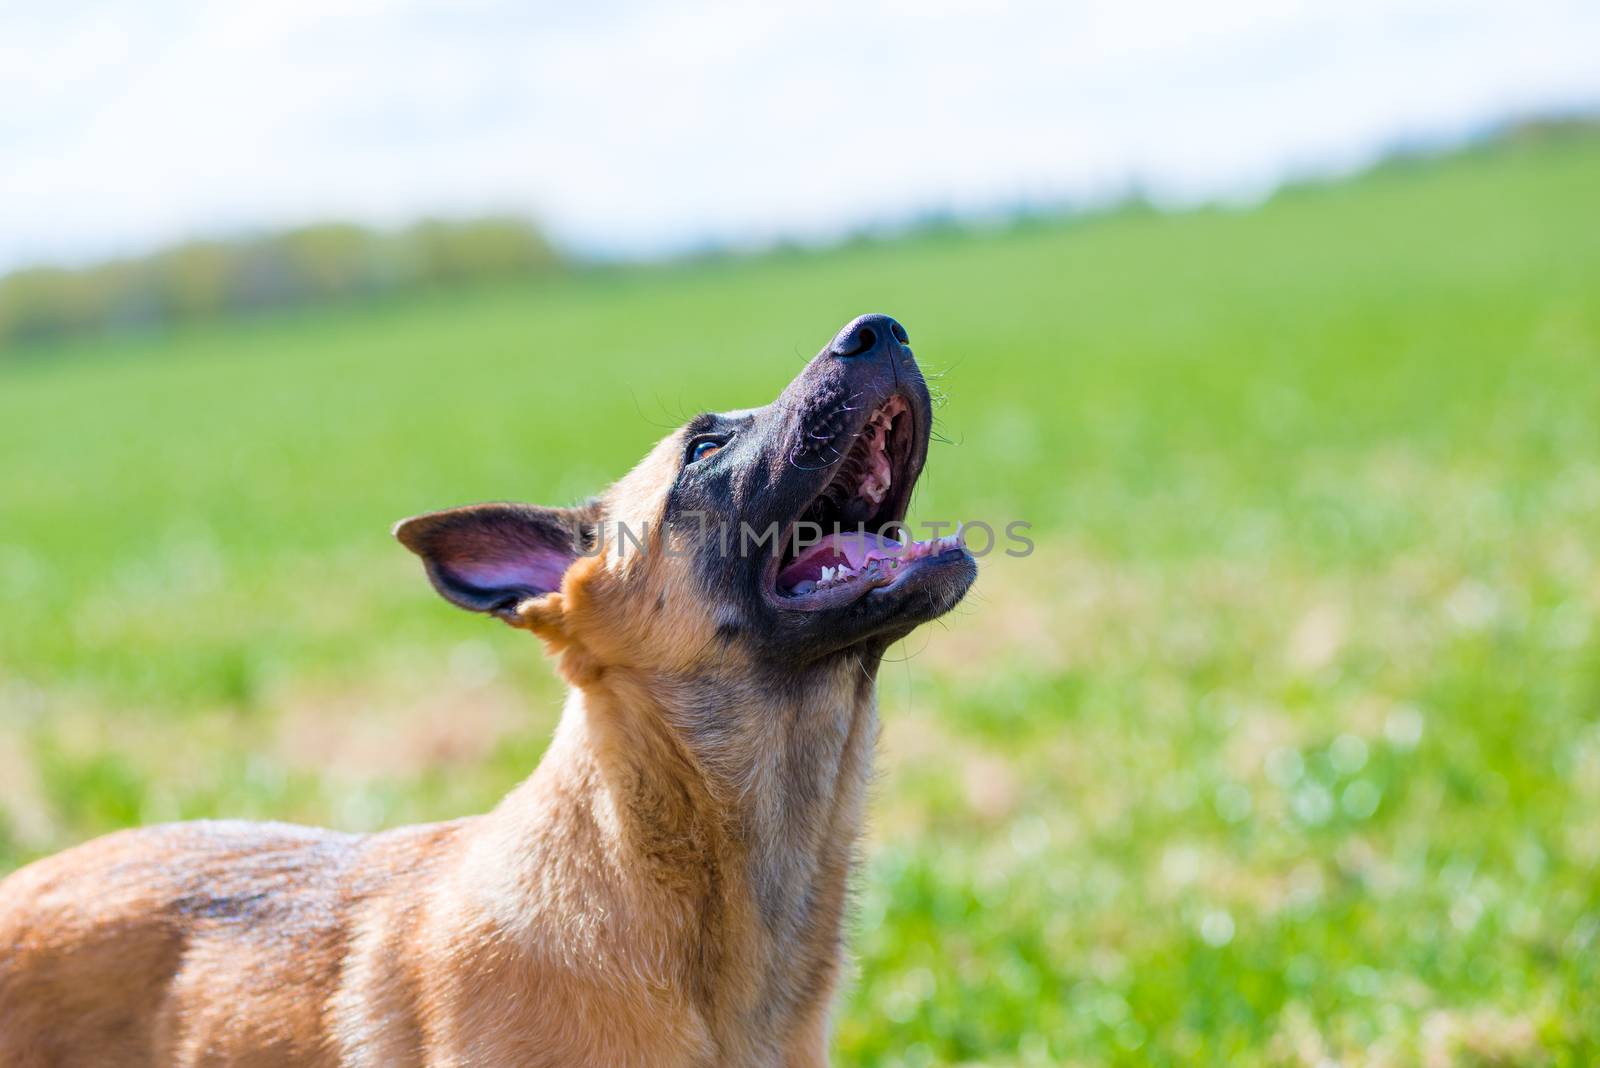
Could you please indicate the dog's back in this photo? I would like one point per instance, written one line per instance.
(187, 943)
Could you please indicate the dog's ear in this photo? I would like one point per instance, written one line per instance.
(494, 557)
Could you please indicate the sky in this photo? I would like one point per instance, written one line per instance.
(633, 129)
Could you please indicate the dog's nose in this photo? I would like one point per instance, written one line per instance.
(868, 336)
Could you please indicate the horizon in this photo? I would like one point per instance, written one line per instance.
(907, 224)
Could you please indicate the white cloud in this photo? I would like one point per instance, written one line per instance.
(640, 127)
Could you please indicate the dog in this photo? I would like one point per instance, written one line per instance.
(668, 887)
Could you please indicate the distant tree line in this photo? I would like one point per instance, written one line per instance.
(212, 278)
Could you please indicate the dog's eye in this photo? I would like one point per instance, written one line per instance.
(702, 448)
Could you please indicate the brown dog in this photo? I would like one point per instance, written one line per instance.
(667, 888)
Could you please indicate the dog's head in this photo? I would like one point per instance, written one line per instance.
(774, 535)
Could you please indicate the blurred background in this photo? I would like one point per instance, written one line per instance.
(1279, 322)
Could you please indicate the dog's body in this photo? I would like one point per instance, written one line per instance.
(668, 888)
(593, 918)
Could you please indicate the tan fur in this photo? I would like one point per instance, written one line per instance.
(666, 889)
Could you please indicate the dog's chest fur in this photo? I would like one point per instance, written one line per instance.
(730, 846)
(771, 812)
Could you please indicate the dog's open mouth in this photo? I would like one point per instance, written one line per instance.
(843, 541)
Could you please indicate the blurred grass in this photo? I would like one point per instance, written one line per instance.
(1284, 747)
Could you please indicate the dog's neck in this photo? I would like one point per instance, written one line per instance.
(731, 807)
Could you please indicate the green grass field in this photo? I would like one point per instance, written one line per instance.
(1283, 748)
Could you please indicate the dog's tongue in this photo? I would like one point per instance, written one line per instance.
(858, 548)
(854, 548)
